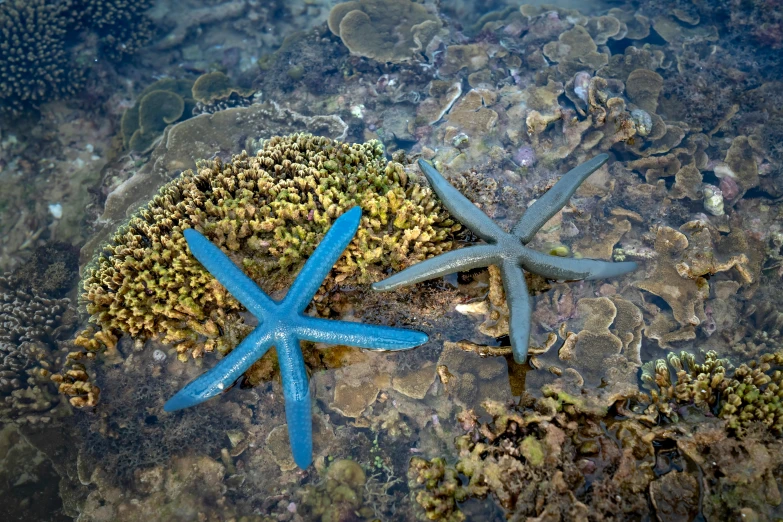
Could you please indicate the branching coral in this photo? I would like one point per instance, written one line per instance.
(35, 65)
(30, 324)
(121, 25)
(40, 38)
(268, 212)
(752, 393)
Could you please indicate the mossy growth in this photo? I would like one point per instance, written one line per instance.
(162, 103)
(214, 86)
(268, 213)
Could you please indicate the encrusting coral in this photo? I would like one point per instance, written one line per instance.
(384, 30)
(268, 212)
(160, 104)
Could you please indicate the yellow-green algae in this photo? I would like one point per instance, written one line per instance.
(268, 212)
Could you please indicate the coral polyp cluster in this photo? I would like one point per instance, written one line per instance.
(753, 393)
(268, 212)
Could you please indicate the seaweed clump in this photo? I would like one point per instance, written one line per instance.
(556, 458)
(268, 212)
(536, 458)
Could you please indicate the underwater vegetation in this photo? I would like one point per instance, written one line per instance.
(556, 458)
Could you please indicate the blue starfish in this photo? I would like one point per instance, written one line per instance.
(508, 250)
(282, 325)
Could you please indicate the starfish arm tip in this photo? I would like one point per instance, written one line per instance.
(180, 401)
(607, 269)
(300, 430)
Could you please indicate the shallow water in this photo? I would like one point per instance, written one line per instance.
(657, 395)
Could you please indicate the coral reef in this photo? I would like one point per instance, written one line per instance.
(30, 326)
(684, 96)
(35, 64)
(41, 59)
(384, 30)
(269, 211)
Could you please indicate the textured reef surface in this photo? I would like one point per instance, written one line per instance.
(654, 394)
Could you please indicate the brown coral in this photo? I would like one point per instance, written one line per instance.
(30, 326)
(268, 212)
(385, 30)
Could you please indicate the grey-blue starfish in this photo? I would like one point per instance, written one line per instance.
(282, 325)
(508, 251)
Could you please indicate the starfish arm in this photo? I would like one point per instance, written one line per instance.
(360, 335)
(520, 308)
(555, 198)
(566, 268)
(296, 389)
(443, 264)
(221, 376)
(460, 207)
(318, 265)
(244, 289)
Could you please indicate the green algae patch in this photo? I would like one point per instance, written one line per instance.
(532, 450)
